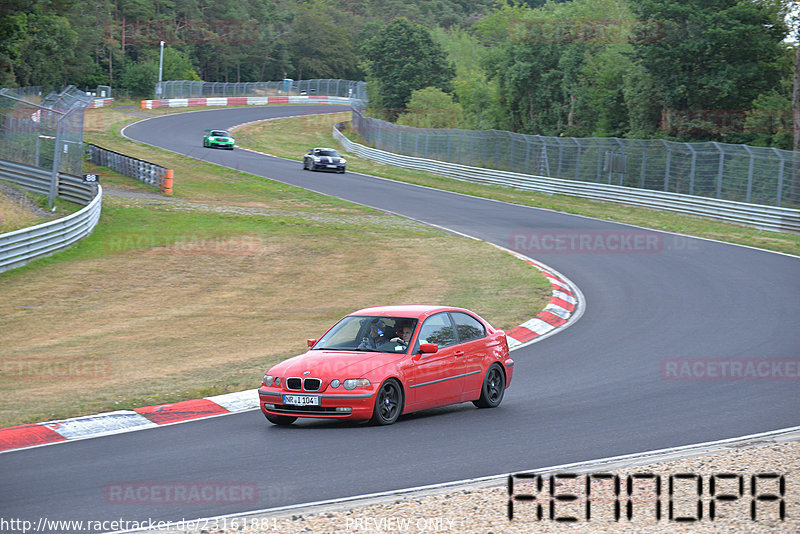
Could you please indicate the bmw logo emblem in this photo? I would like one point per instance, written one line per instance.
(306, 373)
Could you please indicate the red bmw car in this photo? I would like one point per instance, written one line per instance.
(379, 363)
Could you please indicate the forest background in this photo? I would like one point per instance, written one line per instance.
(718, 70)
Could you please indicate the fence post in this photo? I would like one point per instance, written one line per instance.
(720, 169)
(666, 171)
(56, 162)
(527, 154)
(644, 163)
(691, 171)
(599, 160)
(749, 173)
(781, 168)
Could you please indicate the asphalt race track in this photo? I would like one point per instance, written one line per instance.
(600, 388)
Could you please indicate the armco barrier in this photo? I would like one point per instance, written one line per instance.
(101, 102)
(22, 246)
(141, 170)
(759, 216)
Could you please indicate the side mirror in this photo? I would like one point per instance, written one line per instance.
(429, 348)
(311, 342)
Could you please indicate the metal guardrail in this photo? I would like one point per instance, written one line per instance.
(22, 246)
(740, 173)
(141, 170)
(760, 216)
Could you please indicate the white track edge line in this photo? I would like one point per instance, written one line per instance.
(613, 462)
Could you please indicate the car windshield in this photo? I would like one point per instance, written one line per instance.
(219, 133)
(369, 334)
(327, 152)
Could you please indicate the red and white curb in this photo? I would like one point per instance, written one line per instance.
(243, 101)
(104, 424)
(565, 306)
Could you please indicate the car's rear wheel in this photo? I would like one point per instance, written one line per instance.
(281, 420)
(493, 389)
(388, 403)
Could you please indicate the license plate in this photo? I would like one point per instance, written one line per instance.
(331, 166)
(301, 400)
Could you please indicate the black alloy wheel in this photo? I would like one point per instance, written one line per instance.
(388, 403)
(494, 387)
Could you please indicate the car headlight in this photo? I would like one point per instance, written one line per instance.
(335, 384)
(352, 383)
(268, 379)
(315, 158)
(342, 160)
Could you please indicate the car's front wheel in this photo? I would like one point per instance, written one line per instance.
(493, 389)
(388, 403)
(281, 420)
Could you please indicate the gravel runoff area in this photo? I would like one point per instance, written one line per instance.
(482, 506)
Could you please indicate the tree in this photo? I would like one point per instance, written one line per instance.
(401, 58)
(560, 69)
(140, 77)
(321, 47)
(710, 54)
(432, 108)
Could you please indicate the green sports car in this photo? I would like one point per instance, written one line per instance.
(218, 138)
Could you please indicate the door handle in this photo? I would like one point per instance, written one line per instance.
(459, 353)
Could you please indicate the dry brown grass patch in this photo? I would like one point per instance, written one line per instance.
(13, 216)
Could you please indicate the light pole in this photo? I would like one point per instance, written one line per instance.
(160, 70)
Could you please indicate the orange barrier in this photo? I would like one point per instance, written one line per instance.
(167, 189)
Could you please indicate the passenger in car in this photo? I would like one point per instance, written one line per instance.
(376, 335)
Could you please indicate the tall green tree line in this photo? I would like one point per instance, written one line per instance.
(680, 69)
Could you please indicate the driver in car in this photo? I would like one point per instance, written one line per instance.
(404, 332)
